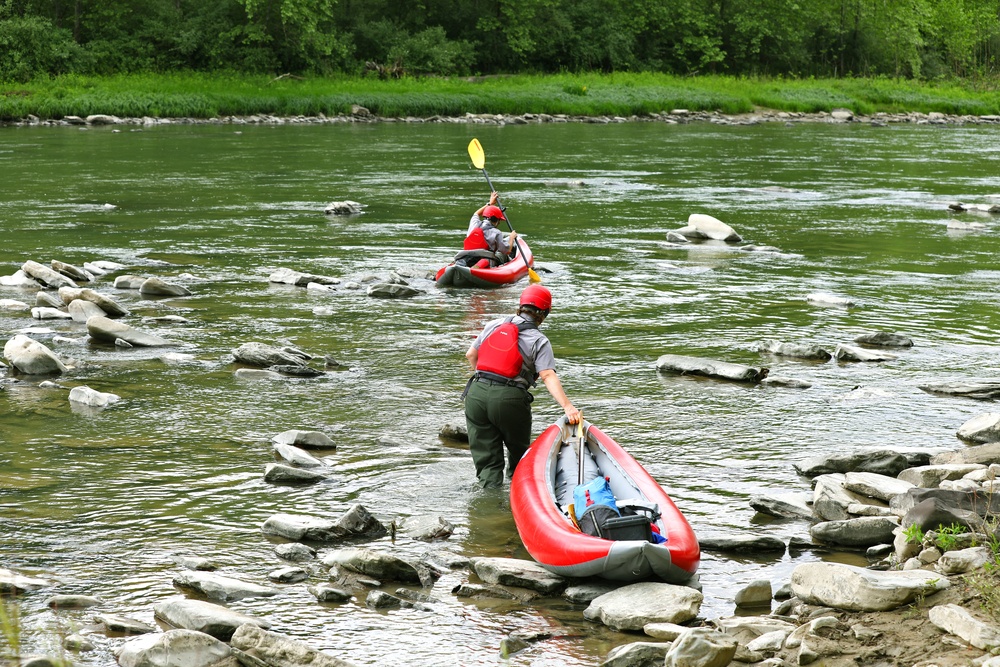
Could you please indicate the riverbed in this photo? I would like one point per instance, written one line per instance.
(100, 500)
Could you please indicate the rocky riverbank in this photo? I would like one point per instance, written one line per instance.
(360, 114)
(925, 598)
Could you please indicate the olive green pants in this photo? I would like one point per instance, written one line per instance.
(496, 416)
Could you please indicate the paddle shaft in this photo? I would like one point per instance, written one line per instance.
(582, 446)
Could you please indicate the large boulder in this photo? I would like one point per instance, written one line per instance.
(851, 353)
(218, 587)
(745, 544)
(982, 503)
(874, 485)
(107, 330)
(280, 473)
(933, 512)
(701, 226)
(882, 461)
(931, 476)
(634, 606)
(986, 454)
(212, 619)
(296, 457)
(832, 501)
(19, 279)
(981, 428)
(304, 439)
(46, 276)
(797, 350)
(858, 589)
(346, 207)
(82, 310)
(14, 304)
(884, 339)
(107, 304)
(73, 272)
(982, 389)
(44, 313)
(13, 583)
(276, 650)
(518, 572)
(84, 395)
(957, 621)
(787, 506)
(173, 648)
(292, 277)
(263, 356)
(376, 564)
(862, 532)
(702, 647)
(159, 287)
(31, 357)
(683, 365)
(356, 522)
(393, 290)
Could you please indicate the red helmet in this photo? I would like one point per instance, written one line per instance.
(538, 296)
(493, 212)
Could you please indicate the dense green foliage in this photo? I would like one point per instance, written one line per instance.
(594, 94)
(927, 39)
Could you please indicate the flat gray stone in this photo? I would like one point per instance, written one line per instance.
(683, 365)
(212, 619)
(219, 587)
(109, 331)
(172, 649)
(859, 589)
(634, 606)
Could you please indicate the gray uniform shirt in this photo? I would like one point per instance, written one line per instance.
(495, 238)
(535, 348)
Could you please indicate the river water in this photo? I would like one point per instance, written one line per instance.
(100, 501)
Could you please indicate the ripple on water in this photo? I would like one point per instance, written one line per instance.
(101, 501)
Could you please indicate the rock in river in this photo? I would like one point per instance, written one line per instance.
(107, 330)
(675, 363)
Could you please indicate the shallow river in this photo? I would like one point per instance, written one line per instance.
(100, 501)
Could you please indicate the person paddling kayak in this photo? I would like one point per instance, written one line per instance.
(483, 234)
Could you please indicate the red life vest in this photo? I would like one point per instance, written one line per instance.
(499, 353)
(476, 240)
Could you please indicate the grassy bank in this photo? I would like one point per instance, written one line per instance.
(206, 96)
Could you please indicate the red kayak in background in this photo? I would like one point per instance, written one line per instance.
(457, 275)
(541, 494)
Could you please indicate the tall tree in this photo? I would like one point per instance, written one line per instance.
(300, 32)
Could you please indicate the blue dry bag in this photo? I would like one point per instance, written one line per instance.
(595, 492)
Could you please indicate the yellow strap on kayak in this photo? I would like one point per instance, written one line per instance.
(572, 517)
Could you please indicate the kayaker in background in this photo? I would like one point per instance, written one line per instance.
(509, 356)
(484, 235)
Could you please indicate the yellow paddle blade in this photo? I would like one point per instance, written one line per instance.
(477, 154)
(533, 277)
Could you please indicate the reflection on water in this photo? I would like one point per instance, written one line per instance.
(100, 501)
(491, 530)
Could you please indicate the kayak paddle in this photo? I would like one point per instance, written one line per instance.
(479, 162)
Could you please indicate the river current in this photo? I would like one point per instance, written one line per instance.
(100, 501)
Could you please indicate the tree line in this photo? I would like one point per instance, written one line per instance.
(921, 39)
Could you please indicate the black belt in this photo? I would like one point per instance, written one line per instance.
(494, 379)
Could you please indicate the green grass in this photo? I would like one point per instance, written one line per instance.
(205, 96)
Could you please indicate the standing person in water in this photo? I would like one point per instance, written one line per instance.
(483, 233)
(509, 356)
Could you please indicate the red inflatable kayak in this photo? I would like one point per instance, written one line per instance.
(541, 493)
(455, 275)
